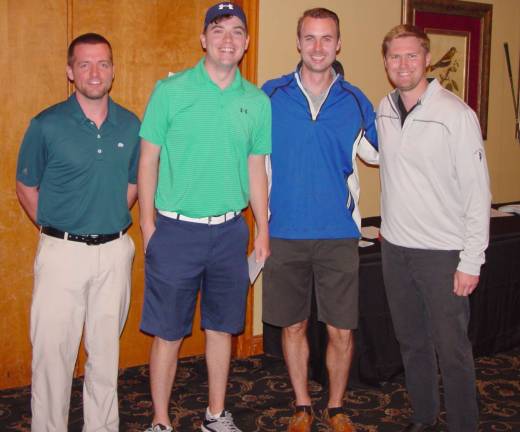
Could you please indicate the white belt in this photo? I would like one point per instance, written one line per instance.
(210, 220)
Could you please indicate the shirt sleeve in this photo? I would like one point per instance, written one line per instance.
(32, 157)
(368, 147)
(370, 124)
(472, 175)
(155, 122)
(262, 135)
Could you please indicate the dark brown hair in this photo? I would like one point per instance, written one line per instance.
(317, 13)
(87, 38)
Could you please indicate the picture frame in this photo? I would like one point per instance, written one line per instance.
(517, 131)
(460, 33)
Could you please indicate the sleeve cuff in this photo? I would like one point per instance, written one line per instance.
(469, 268)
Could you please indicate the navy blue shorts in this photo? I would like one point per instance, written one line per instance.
(182, 257)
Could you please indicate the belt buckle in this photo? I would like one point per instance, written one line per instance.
(93, 240)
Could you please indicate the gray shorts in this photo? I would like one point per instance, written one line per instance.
(296, 266)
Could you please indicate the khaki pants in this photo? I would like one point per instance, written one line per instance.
(78, 287)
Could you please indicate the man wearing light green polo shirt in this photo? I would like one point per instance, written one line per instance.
(205, 135)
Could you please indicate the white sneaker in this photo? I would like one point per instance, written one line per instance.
(159, 428)
(223, 423)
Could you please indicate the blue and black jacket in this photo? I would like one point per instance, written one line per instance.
(315, 187)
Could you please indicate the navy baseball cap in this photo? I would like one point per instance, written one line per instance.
(224, 8)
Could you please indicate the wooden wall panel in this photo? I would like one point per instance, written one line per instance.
(33, 42)
(149, 39)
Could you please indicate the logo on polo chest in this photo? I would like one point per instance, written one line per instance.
(243, 110)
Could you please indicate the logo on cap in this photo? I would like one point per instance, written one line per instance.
(223, 6)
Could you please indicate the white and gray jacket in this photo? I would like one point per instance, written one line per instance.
(434, 177)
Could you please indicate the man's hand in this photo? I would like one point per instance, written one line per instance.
(464, 284)
(146, 187)
(147, 232)
(262, 247)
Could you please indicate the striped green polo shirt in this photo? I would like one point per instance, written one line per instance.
(206, 135)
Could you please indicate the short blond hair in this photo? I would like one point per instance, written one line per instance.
(406, 30)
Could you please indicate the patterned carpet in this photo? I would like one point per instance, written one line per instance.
(260, 398)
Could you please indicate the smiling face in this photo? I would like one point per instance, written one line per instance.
(225, 42)
(91, 70)
(318, 44)
(406, 62)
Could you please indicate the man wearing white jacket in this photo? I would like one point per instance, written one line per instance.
(435, 227)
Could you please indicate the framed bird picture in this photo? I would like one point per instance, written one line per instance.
(460, 35)
(450, 59)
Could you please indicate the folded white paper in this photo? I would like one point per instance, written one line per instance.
(510, 208)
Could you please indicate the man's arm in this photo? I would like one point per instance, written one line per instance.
(146, 187)
(258, 199)
(473, 179)
(368, 152)
(131, 195)
(368, 148)
(28, 197)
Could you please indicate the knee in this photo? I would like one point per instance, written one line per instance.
(160, 344)
(455, 355)
(340, 337)
(217, 334)
(452, 342)
(219, 338)
(295, 330)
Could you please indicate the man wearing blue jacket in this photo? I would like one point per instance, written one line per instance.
(320, 123)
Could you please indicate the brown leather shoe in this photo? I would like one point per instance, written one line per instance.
(300, 422)
(339, 422)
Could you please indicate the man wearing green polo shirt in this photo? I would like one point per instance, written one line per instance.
(76, 179)
(205, 135)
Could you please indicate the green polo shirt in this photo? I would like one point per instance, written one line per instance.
(206, 135)
(82, 172)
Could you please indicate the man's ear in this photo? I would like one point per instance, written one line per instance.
(70, 74)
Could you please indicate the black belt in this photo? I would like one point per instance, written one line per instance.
(89, 239)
